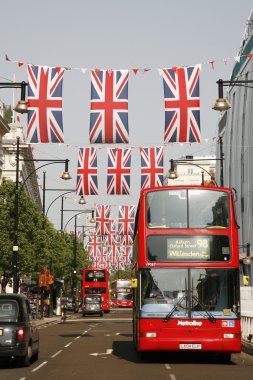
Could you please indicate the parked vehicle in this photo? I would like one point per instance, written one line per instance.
(92, 304)
(19, 337)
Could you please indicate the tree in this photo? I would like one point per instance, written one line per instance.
(40, 244)
(127, 273)
(7, 113)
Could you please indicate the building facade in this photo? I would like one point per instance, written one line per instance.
(236, 131)
(26, 168)
(4, 128)
(192, 170)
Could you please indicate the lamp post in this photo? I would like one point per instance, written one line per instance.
(67, 191)
(222, 104)
(74, 282)
(91, 211)
(21, 106)
(74, 271)
(65, 176)
(173, 174)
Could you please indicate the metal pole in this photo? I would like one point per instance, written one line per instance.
(74, 267)
(16, 220)
(62, 214)
(221, 163)
(203, 178)
(44, 197)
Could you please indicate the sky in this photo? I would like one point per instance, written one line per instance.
(116, 34)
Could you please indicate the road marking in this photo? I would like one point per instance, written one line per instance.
(39, 366)
(108, 352)
(85, 332)
(57, 353)
(22, 378)
(68, 344)
(167, 366)
(112, 334)
(77, 337)
(173, 377)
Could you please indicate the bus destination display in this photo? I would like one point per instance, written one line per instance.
(188, 248)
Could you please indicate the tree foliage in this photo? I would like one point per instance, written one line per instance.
(40, 245)
(7, 114)
(127, 273)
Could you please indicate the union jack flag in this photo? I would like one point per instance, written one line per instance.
(102, 254)
(152, 167)
(126, 220)
(111, 239)
(87, 181)
(182, 104)
(79, 235)
(94, 243)
(102, 217)
(126, 254)
(127, 240)
(109, 106)
(110, 227)
(44, 104)
(114, 249)
(118, 171)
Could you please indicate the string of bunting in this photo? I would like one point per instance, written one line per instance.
(210, 62)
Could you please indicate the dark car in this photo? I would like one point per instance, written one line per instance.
(19, 337)
(92, 304)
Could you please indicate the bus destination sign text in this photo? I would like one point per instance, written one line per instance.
(188, 248)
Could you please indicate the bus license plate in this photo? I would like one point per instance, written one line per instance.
(190, 346)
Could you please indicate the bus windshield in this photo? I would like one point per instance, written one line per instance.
(187, 208)
(95, 276)
(124, 296)
(189, 292)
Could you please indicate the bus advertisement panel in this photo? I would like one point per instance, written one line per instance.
(121, 293)
(96, 281)
(186, 263)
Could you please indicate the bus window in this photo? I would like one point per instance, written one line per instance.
(167, 209)
(208, 209)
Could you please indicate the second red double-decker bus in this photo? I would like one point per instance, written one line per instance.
(186, 264)
(121, 293)
(96, 281)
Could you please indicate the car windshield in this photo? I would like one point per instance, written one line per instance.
(8, 310)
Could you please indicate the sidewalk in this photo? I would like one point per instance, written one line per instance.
(46, 320)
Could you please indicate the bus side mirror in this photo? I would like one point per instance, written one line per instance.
(134, 283)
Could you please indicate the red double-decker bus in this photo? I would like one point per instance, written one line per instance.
(186, 263)
(121, 293)
(96, 281)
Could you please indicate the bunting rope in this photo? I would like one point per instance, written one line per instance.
(211, 63)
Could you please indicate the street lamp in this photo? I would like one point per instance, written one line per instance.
(21, 106)
(222, 104)
(91, 211)
(74, 282)
(67, 191)
(173, 174)
(65, 175)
